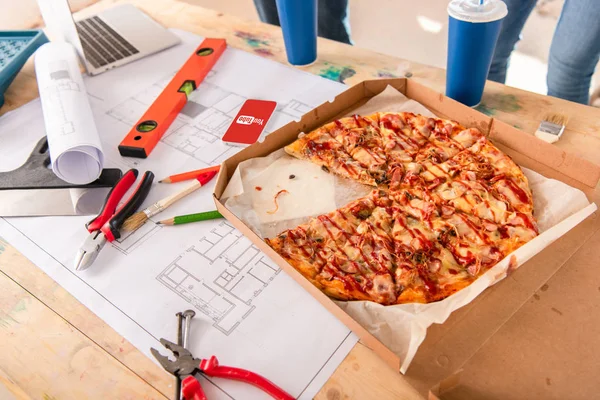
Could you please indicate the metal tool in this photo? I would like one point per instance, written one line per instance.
(179, 343)
(105, 227)
(33, 189)
(188, 315)
(179, 328)
(185, 366)
(182, 340)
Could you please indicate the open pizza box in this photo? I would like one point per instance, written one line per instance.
(532, 335)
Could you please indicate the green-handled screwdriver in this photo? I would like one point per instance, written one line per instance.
(186, 219)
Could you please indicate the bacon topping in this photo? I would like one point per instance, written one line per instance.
(447, 208)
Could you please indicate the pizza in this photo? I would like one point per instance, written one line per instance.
(446, 206)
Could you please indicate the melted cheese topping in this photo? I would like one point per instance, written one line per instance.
(450, 206)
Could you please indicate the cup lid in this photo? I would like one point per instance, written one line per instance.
(472, 11)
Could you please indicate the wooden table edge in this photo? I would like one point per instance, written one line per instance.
(37, 283)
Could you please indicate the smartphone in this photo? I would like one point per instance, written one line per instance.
(249, 123)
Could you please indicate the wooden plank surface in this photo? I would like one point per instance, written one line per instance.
(68, 352)
(39, 285)
(45, 356)
(350, 65)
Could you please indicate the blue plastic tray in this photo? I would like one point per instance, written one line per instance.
(15, 49)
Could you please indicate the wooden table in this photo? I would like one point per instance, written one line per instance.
(52, 347)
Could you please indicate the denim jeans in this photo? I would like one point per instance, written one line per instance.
(332, 18)
(574, 52)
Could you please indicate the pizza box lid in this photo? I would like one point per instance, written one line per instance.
(514, 339)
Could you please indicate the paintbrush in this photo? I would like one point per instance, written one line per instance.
(138, 219)
(552, 127)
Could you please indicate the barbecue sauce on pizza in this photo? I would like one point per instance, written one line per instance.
(449, 206)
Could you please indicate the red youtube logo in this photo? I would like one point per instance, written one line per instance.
(244, 119)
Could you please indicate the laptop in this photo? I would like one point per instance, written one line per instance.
(112, 38)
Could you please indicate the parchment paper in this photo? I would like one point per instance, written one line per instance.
(310, 191)
(402, 328)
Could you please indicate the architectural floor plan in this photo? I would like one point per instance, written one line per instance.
(129, 241)
(235, 273)
(248, 312)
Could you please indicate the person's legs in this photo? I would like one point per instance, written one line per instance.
(267, 11)
(332, 18)
(510, 32)
(575, 51)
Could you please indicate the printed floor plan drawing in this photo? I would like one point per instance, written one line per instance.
(129, 241)
(61, 82)
(221, 276)
(249, 312)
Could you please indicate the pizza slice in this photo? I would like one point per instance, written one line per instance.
(399, 141)
(477, 241)
(508, 183)
(487, 187)
(361, 138)
(346, 253)
(426, 271)
(466, 137)
(322, 149)
(441, 254)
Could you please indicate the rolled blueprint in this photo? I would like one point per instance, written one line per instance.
(73, 141)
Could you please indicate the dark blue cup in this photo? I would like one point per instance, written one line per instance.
(472, 34)
(298, 19)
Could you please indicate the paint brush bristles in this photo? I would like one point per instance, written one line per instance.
(556, 119)
(135, 221)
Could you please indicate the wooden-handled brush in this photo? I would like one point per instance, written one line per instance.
(138, 219)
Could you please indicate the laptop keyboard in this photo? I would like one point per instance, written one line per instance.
(101, 44)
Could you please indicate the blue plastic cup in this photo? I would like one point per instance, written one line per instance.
(298, 19)
(474, 26)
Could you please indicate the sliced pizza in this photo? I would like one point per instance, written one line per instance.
(322, 149)
(450, 205)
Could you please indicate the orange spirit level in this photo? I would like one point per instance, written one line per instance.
(146, 133)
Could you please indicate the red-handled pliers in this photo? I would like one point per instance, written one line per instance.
(105, 227)
(185, 366)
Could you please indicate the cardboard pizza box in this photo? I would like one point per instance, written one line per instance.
(516, 339)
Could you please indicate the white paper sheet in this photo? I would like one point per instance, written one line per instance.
(73, 141)
(248, 313)
(402, 328)
(59, 23)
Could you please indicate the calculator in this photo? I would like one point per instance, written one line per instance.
(15, 48)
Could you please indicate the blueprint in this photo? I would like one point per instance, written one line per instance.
(248, 312)
(236, 272)
(73, 139)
